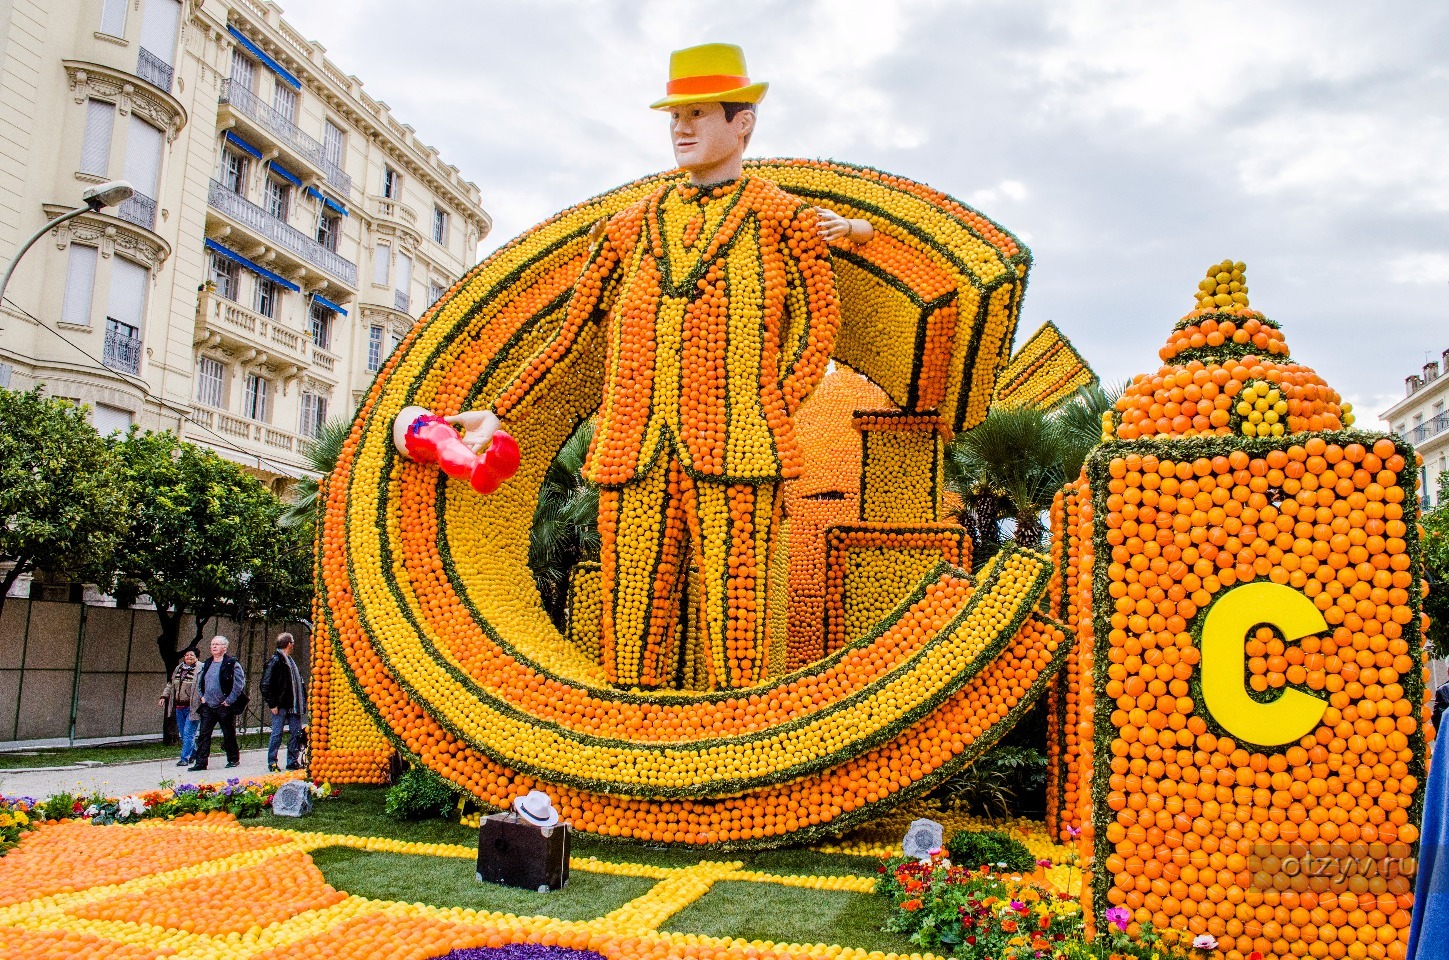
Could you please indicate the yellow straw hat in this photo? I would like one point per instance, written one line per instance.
(709, 73)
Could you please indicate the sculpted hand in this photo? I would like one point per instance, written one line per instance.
(478, 427)
(835, 227)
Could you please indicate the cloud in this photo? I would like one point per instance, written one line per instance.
(1130, 143)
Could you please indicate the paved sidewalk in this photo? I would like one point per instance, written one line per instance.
(120, 779)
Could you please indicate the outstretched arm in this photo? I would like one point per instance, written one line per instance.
(834, 227)
(811, 304)
(590, 296)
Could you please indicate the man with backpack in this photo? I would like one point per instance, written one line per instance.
(284, 695)
(221, 688)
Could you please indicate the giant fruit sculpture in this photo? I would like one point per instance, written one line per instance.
(1241, 725)
(436, 644)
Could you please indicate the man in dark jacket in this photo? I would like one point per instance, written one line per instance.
(285, 696)
(221, 690)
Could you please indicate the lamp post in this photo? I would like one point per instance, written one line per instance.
(107, 194)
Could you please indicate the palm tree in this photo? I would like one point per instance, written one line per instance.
(565, 523)
(1009, 465)
(1014, 462)
(322, 455)
(1080, 420)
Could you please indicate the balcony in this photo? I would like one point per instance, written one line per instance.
(122, 353)
(1431, 428)
(154, 70)
(245, 430)
(251, 112)
(236, 325)
(337, 176)
(140, 210)
(280, 234)
(385, 208)
(401, 301)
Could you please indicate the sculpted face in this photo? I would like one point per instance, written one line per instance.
(707, 145)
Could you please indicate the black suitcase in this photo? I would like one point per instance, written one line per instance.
(516, 853)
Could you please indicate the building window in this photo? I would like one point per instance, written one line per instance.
(113, 17)
(108, 420)
(209, 378)
(391, 184)
(224, 275)
(334, 142)
(435, 291)
(95, 155)
(314, 414)
(122, 347)
(381, 261)
(284, 101)
(329, 228)
(321, 326)
(374, 348)
(256, 403)
(404, 273)
(440, 225)
(80, 285)
(243, 70)
(128, 292)
(266, 298)
(279, 198)
(144, 144)
(234, 172)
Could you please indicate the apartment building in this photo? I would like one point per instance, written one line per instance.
(1422, 418)
(286, 231)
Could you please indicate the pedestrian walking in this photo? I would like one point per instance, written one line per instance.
(221, 692)
(177, 699)
(285, 697)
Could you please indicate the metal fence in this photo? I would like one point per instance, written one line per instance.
(73, 671)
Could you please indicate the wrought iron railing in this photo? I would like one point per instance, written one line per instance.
(401, 300)
(140, 210)
(337, 176)
(249, 105)
(122, 352)
(154, 70)
(283, 234)
(1430, 428)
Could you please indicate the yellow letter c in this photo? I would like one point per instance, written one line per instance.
(1294, 713)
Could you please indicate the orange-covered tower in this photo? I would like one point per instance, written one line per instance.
(1226, 370)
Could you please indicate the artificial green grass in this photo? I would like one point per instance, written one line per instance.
(733, 908)
(448, 882)
(761, 911)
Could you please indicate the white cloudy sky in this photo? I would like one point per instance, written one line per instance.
(1130, 144)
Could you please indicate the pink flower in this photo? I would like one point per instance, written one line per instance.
(1205, 941)
(1074, 832)
(1018, 906)
(1119, 917)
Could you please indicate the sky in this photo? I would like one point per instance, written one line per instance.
(1128, 144)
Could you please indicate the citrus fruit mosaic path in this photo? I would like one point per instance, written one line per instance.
(208, 887)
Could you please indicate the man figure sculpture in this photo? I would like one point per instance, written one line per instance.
(718, 311)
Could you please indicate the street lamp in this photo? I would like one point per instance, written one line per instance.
(107, 194)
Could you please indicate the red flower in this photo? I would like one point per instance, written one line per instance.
(911, 906)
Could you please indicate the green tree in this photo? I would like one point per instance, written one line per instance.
(63, 498)
(204, 540)
(1012, 464)
(322, 455)
(1436, 570)
(565, 523)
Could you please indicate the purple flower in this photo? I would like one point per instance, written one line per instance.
(1119, 917)
(1018, 906)
(1074, 832)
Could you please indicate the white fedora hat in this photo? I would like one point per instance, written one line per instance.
(536, 808)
